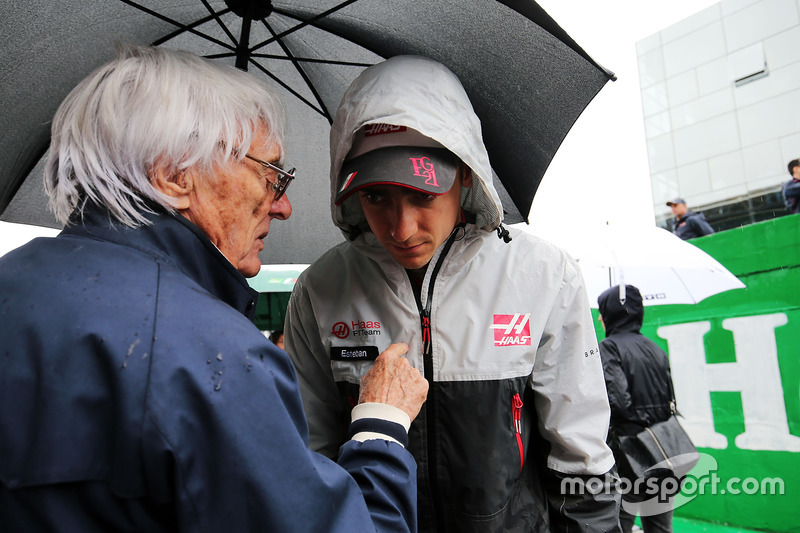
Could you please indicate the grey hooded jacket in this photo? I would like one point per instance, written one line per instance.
(517, 399)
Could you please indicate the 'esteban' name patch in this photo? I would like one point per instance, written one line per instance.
(354, 353)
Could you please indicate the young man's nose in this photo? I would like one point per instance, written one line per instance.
(403, 223)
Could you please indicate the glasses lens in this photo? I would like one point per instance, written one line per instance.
(284, 179)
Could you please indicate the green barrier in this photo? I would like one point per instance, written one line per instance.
(735, 360)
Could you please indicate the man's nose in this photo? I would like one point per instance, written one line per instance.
(282, 209)
(403, 224)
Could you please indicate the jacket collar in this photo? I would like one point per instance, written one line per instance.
(174, 241)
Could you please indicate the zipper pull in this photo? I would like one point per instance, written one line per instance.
(516, 413)
(426, 329)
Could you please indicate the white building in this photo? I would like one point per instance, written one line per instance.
(721, 101)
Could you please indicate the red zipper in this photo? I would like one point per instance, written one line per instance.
(517, 415)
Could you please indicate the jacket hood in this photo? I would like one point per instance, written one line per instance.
(621, 312)
(425, 96)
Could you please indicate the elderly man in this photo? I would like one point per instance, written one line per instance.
(498, 319)
(135, 392)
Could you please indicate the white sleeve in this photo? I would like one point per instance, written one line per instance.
(381, 412)
(569, 386)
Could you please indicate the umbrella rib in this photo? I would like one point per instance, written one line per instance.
(275, 78)
(182, 27)
(303, 23)
(313, 23)
(219, 22)
(685, 287)
(285, 86)
(198, 22)
(300, 71)
(313, 60)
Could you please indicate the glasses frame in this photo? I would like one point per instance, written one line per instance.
(285, 177)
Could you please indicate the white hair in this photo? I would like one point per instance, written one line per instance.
(151, 106)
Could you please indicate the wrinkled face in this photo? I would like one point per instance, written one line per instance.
(235, 206)
(410, 224)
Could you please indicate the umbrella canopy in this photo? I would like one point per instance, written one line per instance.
(665, 269)
(527, 79)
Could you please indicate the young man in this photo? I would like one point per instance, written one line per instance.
(688, 224)
(137, 395)
(497, 320)
(791, 188)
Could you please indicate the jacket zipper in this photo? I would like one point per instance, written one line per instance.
(517, 415)
(427, 360)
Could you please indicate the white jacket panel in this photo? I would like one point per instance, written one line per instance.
(528, 315)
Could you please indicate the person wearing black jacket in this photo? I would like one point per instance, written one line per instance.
(688, 224)
(637, 377)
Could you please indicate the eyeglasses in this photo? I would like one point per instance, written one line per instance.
(284, 177)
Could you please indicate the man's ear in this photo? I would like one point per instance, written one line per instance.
(177, 184)
(466, 175)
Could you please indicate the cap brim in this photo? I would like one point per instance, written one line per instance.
(425, 169)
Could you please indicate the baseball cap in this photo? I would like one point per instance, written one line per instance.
(396, 155)
(676, 201)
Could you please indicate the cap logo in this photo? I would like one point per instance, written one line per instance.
(380, 129)
(348, 180)
(423, 167)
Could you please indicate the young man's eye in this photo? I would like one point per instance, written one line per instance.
(371, 197)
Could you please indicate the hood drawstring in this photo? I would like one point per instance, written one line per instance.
(459, 231)
(502, 233)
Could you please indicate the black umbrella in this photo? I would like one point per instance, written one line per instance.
(527, 79)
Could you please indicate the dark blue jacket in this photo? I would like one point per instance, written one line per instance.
(791, 195)
(691, 225)
(136, 395)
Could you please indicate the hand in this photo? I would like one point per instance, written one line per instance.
(393, 381)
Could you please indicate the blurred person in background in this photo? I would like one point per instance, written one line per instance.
(688, 224)
(638, 381)
(790, 190)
